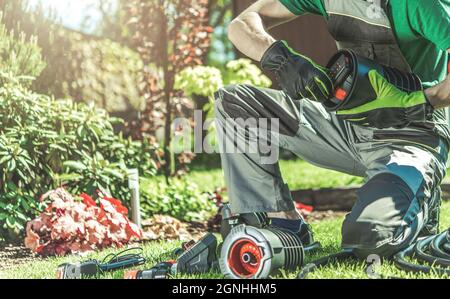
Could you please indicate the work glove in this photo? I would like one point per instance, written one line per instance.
(298, 75)
(391, 107)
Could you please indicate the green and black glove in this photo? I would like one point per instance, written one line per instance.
(298, 75)
(391, 108)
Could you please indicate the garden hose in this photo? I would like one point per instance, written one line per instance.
(433, 250)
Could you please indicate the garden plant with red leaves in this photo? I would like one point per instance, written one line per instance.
(78, 225)
(169, 35)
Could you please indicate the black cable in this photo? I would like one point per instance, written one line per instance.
(433, 250)
(122, 260)
(312, 247)
(310, 267)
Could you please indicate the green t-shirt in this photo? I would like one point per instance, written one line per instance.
(422, 28)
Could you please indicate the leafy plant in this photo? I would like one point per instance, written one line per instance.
(243, 71)
(199, 80)
(179, 199)
(45, 143)
(205, 80)
(77, 225)
(170, 35)
(202, 82)
(19, 55)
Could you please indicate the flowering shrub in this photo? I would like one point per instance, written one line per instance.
(47, 143)
(71, 225)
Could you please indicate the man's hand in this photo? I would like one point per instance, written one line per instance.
(298, 75)
(391, 108)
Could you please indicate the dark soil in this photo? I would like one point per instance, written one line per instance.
(13, 255)
(323, 215)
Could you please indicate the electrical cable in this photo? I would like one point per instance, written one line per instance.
(310, 267)
(120, 260)
(433, 250)
(312, 247)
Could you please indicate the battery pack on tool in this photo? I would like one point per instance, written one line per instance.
(349, 73)
(200, 257)
(160, 271)
(195, 257)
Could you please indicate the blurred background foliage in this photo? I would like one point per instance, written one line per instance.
(89, 90)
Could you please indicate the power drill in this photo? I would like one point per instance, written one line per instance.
(349, 73)
(199, 257)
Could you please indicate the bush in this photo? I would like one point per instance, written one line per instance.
(46, 143)
(243, 71)
(18, 55)
(179, 199)
(78, 225)
(78, 66)
(199, 80)
(98, 71)
(205, 80)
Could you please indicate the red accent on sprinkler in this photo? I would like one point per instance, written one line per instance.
(247, 266)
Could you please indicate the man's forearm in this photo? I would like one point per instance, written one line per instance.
(249, 36)
(439, 95)
(248, 32)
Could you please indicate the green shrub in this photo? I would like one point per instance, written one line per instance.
(180, 199)
(81, 67)
(18, 55)
(199, 80)
(205, 80)
(243, 71)
(45, 143)
(88, 69)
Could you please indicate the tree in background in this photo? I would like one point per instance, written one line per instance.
(222, 50)
(113, 24)
(169, 36)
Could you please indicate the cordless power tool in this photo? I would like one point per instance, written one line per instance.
(349, 73)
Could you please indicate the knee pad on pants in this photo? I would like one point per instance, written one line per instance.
(376, 224)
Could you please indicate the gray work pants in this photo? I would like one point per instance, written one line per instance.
(399, 200)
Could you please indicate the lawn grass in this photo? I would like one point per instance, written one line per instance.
(298, 175)
(327, 232)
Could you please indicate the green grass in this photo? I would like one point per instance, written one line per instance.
(327, 232)
(298, 175)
